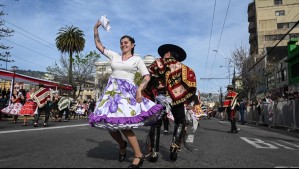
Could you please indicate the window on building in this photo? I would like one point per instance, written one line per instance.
(294, 35)
(282, 25)
(277, 2)
(286, 25)
(280, 13)
(284, 75)
(278, 77)
(270, 37)
(280, 36)
(292, 24)
(271, 81)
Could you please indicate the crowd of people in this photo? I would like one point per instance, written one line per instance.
(27, 104)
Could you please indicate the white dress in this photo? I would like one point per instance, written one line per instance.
(117, 108)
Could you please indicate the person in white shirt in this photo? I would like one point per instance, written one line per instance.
(121, 106)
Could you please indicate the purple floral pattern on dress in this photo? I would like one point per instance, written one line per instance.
(98, 112)
(118, 108)
(123, 86)
(133, 101)
(145, 100)
(113, 102)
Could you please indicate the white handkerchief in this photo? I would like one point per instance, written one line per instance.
(105, 23)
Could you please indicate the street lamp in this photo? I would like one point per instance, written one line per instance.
(217, 51)
(229, 63)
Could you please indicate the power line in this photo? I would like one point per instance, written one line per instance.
(33, 39)
(220, 37)
(29, 33)
(29, 61)
(210, 38)
(30, 49)
(268, 52)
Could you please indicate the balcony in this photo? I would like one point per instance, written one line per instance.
(252, 37)
(251, 12)
(252, 27)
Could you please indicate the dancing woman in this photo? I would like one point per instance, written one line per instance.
(121, 107)
(29, 107)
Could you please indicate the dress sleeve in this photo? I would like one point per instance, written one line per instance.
(110, 54)
(142, 67)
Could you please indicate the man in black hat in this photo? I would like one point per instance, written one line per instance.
(178, 81)
(229, 105)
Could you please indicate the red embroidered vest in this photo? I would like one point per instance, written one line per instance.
(230, 99)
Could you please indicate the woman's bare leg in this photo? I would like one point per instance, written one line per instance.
(131, 137)
(116, 135)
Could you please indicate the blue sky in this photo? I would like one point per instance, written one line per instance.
(186, 23)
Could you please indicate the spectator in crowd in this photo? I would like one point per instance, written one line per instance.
(91, 106)
(4, 92)
(259, 110)
(2, 105)
(242, 109)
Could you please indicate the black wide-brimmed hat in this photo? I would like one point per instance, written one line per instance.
(230, 87)
(174, 48)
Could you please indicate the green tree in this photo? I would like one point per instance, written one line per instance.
(84, 70)
(4, 32)
(70, 40)
(138, 78)
(243, 62)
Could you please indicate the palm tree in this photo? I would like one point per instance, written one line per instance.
(70, 39)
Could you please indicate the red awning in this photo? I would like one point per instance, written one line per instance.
(8, 75)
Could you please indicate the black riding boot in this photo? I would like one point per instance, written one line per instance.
(178, 136)
(153, 142)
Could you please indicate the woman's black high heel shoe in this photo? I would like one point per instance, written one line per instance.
(122, 157)
(139, 164)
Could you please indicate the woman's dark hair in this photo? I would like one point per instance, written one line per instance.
(131, 40)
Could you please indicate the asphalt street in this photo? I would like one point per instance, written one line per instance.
(75, 144)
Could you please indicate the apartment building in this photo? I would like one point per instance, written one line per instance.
(270, 22)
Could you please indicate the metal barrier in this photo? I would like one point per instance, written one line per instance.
(280, 114)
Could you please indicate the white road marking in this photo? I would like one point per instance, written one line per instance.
(190, 139)
(292, 144)
(257, 143)
(285, 167)
(286, 147)
(39, 129)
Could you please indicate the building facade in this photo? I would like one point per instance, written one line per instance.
(272, 23)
